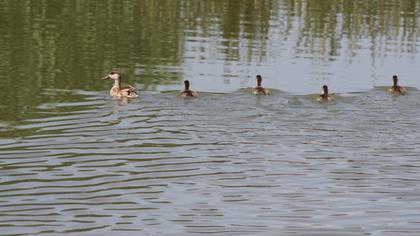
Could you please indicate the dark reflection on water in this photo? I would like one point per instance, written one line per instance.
(73, 160)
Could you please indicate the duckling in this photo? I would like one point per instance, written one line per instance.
(324, 96)
(396, 89)
(259, 90)
(117, 90)
(187, 92)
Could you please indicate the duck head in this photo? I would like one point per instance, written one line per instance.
(113, 75)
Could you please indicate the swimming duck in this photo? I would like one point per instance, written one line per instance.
(117, 90)
(187, 92)
(259, 90)
(324, 96)
(396, 89)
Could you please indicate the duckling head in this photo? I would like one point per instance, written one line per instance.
(325, 89)
(395, 80)
(187, 84)
(259, 80)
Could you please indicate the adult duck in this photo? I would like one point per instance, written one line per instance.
(117, 90)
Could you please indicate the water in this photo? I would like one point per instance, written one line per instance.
(73, 160)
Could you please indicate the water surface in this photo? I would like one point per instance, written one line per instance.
(75, 161)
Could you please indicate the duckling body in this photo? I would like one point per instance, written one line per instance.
(117, 90)
(397, 90)
(188, 93)
(260, 91)
(324, 98)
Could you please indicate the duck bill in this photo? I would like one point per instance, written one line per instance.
(105, 78)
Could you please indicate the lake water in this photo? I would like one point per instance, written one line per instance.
(75, 161)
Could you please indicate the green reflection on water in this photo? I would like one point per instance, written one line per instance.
(70, 44)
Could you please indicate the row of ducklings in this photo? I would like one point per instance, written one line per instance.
(130, 92)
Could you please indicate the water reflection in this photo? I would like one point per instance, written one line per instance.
(68, 45)
(384, 23)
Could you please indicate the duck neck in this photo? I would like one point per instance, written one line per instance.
(117, 83)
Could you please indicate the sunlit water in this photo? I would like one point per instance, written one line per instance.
(74, 160)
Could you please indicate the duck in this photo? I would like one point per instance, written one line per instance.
(187, 92)
(396, 89)
(259, 90)
(324, 96)
(117, 90)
